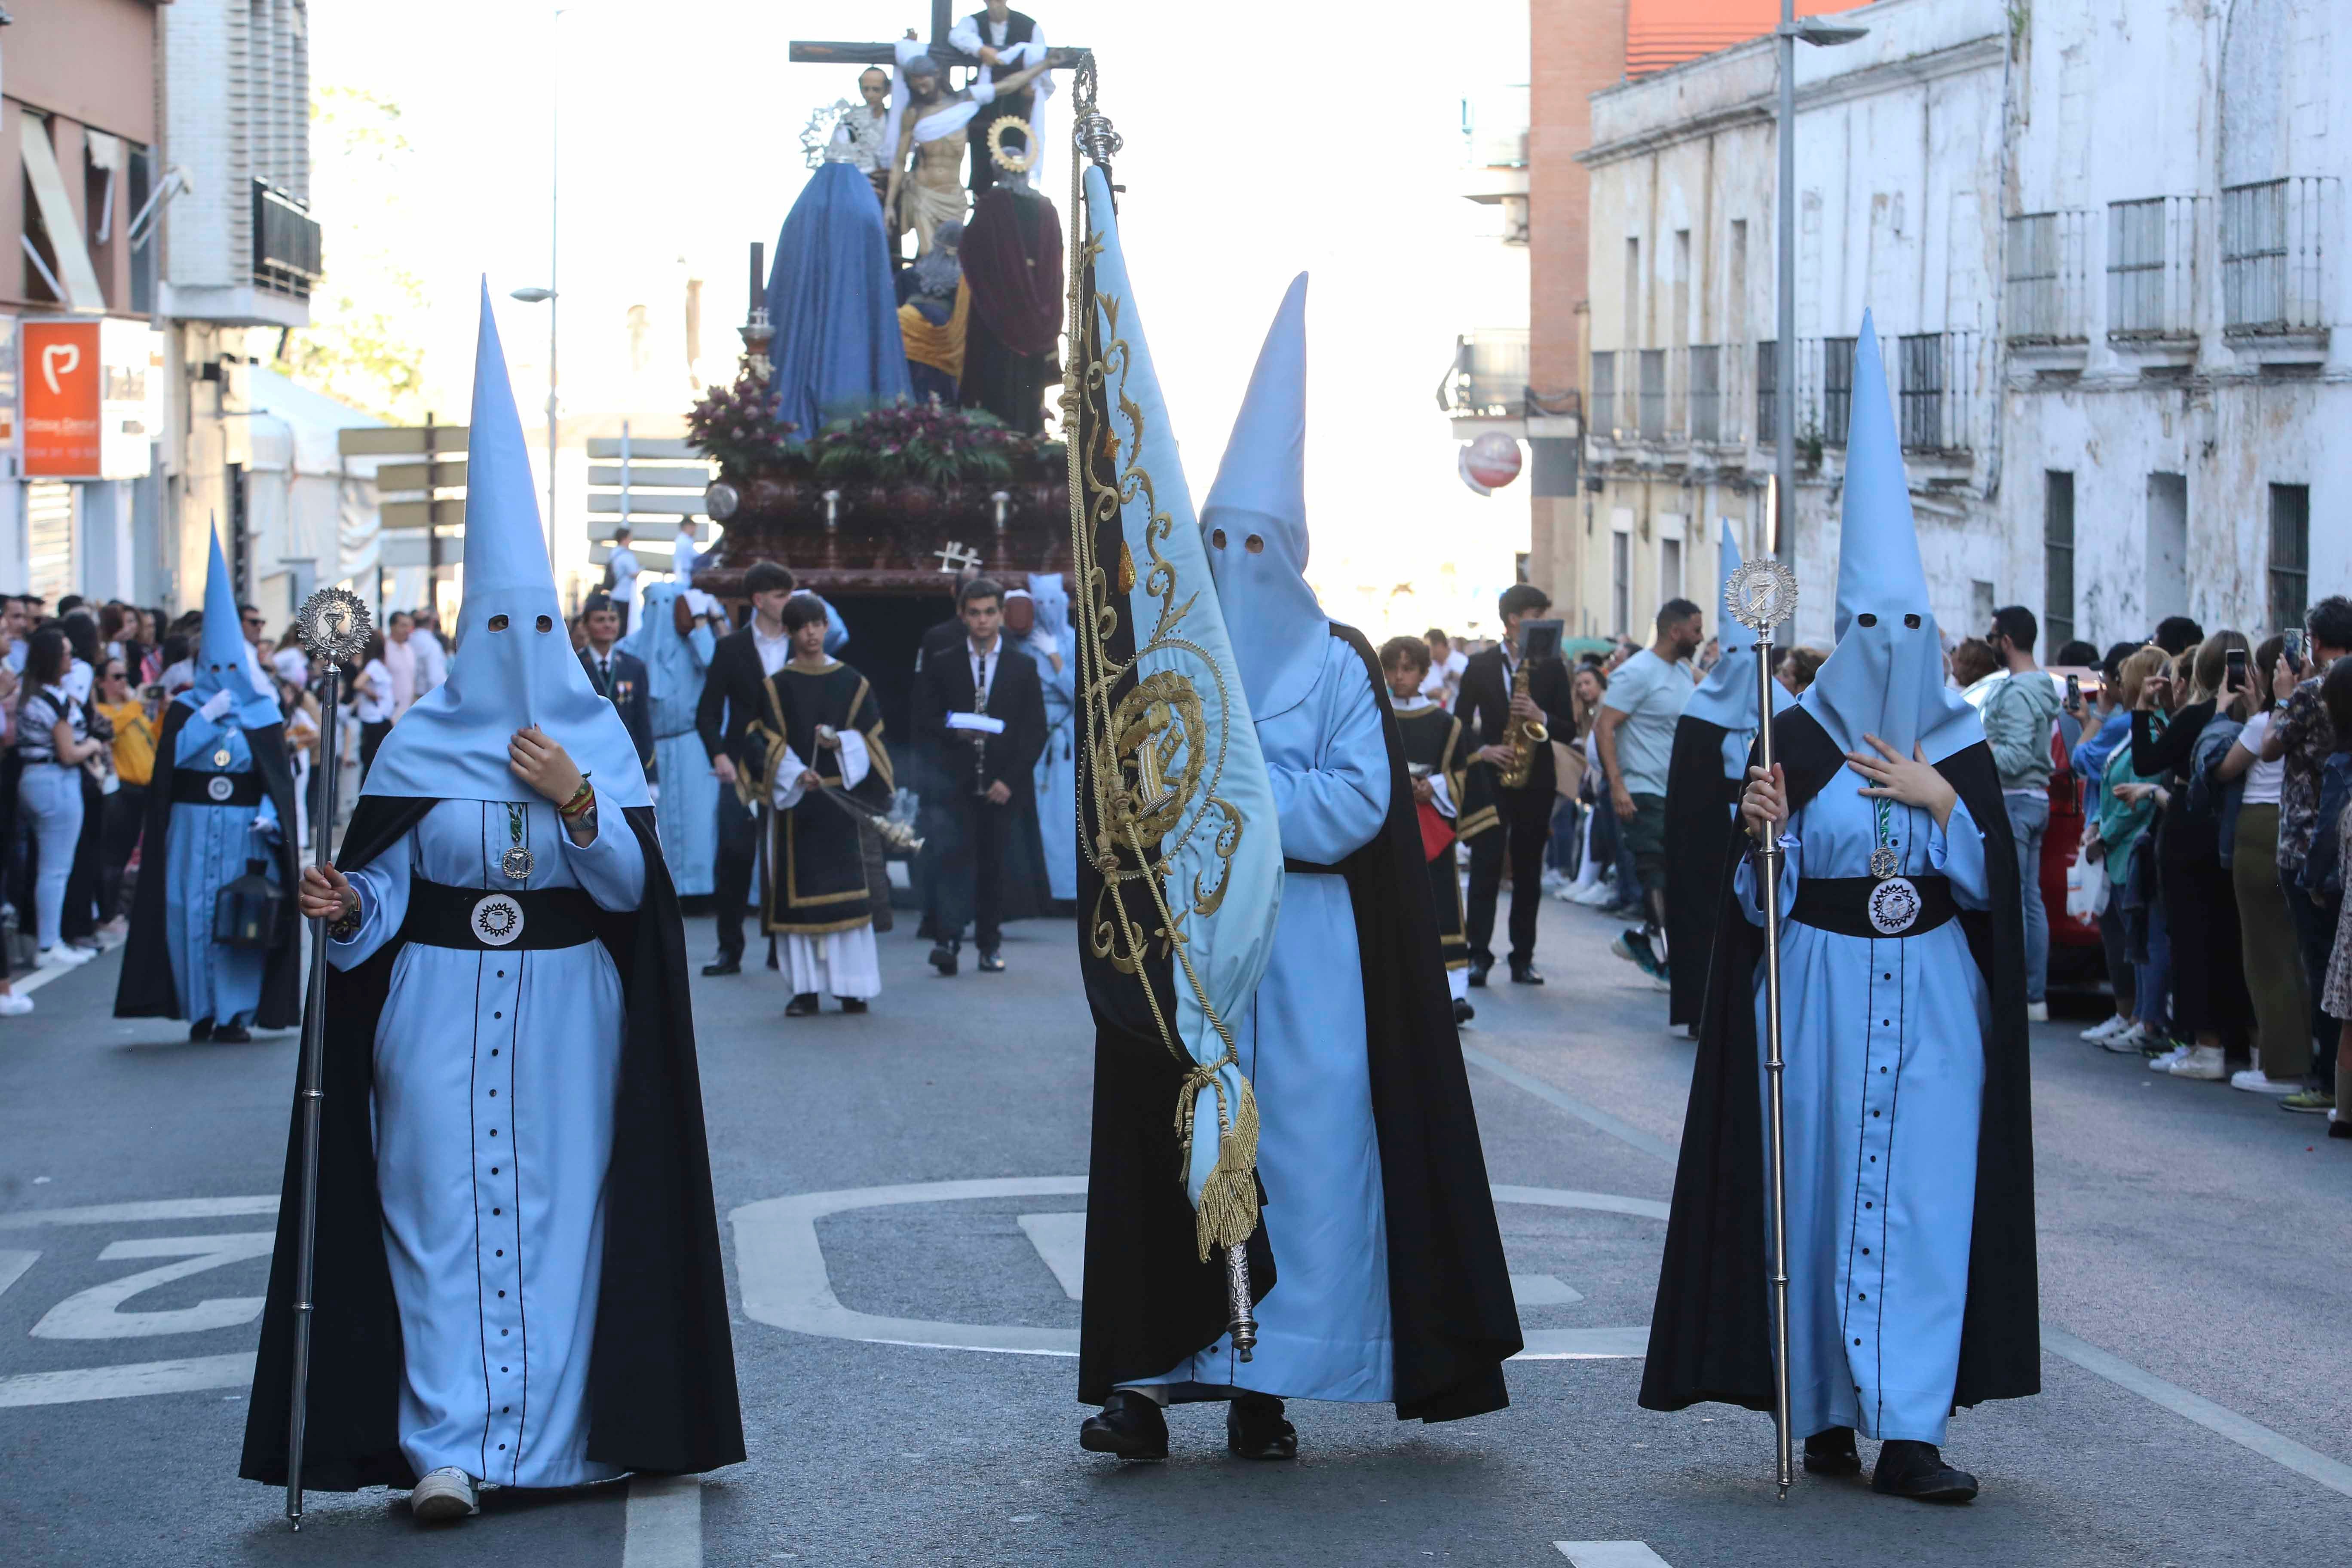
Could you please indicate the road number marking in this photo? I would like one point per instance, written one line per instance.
(96, 1313)
(1611, 1555)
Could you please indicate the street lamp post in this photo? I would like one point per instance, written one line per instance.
(548, 294)
(1821, 35)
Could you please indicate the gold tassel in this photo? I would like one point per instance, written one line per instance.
(1227, 1211)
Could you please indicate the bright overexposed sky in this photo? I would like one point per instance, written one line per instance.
(1302, 136)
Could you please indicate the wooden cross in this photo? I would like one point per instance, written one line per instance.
(942, 53)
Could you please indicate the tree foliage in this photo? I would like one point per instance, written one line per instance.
(365, 344)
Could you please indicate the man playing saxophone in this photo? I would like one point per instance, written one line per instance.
(1511, 788)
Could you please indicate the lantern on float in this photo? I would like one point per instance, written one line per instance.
(1490, 462)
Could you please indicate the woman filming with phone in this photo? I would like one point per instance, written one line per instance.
(2274, 977)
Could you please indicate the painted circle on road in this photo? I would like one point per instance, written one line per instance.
(786, 1285)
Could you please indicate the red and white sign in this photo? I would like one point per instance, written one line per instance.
(58, 375)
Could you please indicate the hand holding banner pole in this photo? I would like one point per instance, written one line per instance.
(333, 625)
(1761, 594)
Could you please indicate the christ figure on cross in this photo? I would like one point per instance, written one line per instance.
(935, 128)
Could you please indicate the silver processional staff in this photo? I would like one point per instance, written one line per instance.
(1761, 594)
(333, 625)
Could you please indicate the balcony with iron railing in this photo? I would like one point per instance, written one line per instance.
(1938, 390)
(2048, 279)
(1489, 378)
(1935, 377)
(286, 251)
(2277, 243)
(2152, 270)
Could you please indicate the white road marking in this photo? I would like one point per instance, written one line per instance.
(139, 1213)
(96, 1313)
(1591, 1115)
(664, 1528)
(1060, 1240)
(786, 1283)
(12, 1265)
(140, 1378)
(1543, 1290)
(1611, 1555)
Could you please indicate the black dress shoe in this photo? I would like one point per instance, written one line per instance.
(202, 1029)
(1254, 1429)
(1831, 1453)
(1478, 972)
(991, 962)
(724, 966)
(853, 1003)
(1917, 1470)
(232, 1035)
(1463, 1011)
(943, 957)
(1522, 972)
(1130, 1428)
(802, 1006)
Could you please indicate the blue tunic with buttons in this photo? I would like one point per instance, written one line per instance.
(495, 1079)
(1884, 1041)
(209, 848)
(1323, 1331)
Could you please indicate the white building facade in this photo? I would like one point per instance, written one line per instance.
(2098, 242)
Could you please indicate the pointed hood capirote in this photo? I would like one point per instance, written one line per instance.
(1727, 696)
(1887, 675)
(1280, 631)
(514, 665)
(226, 662)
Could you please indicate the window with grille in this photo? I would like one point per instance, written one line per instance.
(2033, 289)
(2057, 558)
(2290, 554)
(1923, 391)
(2137, 253)
(1837, 389)
(1653, 395)
(1605, 391)
(1621, 578)
(1706, 394)
(1767, 383)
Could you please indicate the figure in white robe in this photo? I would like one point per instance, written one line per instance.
(687, 804)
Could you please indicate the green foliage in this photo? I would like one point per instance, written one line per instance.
(364, 343)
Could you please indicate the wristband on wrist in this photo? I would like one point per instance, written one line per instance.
(582, 799)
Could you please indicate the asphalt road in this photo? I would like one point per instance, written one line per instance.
(897, 1190)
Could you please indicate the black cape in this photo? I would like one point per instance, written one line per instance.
(1699, 835)
(662, 1379)
(1710, 1335)
(146, 989)
(1150, 1302)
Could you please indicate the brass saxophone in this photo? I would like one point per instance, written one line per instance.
(1522, 735)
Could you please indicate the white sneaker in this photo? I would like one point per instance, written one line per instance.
(2037, 1012)
(65, 955)
(1596, 896)
(2203, 1063)
(2100, 1034)
(443, 1494)
(2128, 1041)
(12, 1006)
(2255, 1081)
(2168, 1060)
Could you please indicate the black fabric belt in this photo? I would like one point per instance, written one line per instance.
(215, 789)
(1842, 905)
(496, 920)
(1310, 868)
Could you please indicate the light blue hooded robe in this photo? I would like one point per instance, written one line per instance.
(496, 1070)
(209, 845)
(1057, 768)
(686, 811)
(1884, 1038)
(1323, 1330)
(1727, 696)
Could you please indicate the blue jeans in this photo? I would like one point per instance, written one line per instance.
(2029, 816)
(51, 796)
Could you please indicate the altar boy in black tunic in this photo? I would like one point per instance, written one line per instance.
(1434, 757)
(820, 738)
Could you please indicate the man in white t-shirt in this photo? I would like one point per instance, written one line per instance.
(1634, 735)
(1443, 684)
(682, 552)
(623, 569)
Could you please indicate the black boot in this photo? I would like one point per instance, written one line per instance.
(232, 1034)
(1831, 1453)
(1129, 1426)
(724, 964)
(802, 1006)
(1917, 1470)
(1522, 972)
(1463, 1011)
(1254, 1429)
(1478, 967)
(943, 956)
(202, 1029)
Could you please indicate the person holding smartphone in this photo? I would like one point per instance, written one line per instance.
(2274, 978)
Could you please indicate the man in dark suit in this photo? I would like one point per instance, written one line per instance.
(732, 697)
(981, 709)
(933, 818)
(1522, 823)
(619, 677)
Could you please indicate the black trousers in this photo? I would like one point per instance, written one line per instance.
(371, 735)
(81, 917)
(1524, 829)
(125, 815)
(971, 871)
(730, 881)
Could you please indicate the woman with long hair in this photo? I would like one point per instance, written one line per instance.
(125, 810)
(2273, 968)
(371, 699)
(2125, 804)
(52, 740)
(2209, 985)
(81, 913)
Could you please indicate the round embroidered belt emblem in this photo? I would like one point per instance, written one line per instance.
(1894, 906)
(497, 921)
(220, 786)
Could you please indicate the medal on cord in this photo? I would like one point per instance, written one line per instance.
(1895, 900)
(517, 861)
(1884, 863)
